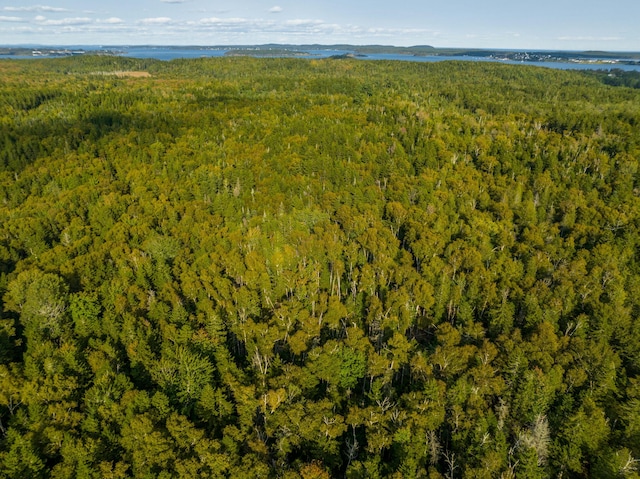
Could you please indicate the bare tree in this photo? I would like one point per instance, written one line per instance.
(450, 459)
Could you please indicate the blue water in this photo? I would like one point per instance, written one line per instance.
(164, 53)
(173, 53)
(167, 53)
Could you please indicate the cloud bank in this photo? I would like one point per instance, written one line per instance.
(190, 22)
(35, 8)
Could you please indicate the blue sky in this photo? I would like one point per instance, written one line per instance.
(545, 24)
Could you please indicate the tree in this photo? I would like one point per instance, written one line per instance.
(41, 300)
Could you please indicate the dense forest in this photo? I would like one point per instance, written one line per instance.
(286, 268)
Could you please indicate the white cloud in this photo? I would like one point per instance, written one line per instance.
(156, 21)
(11, 19)
(64, 21)
(238, 30)
(35, 8)
(302, 22)
(173, 1)
(225, 21)
(52, 9)
(275, 9)
(98, 27)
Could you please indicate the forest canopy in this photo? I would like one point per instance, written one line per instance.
(241, 267)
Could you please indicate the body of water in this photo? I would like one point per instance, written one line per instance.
(172, 53)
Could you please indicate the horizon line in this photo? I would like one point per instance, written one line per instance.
(424, 46)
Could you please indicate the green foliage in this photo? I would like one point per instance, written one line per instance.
(20, 458)
(41, 300)
(353, 367)
(240, 267)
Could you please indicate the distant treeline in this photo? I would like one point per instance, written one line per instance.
(616, 77)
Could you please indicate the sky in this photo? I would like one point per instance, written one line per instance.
(545, 24)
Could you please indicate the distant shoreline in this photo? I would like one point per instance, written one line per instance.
(604, 58)
(54, 52)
